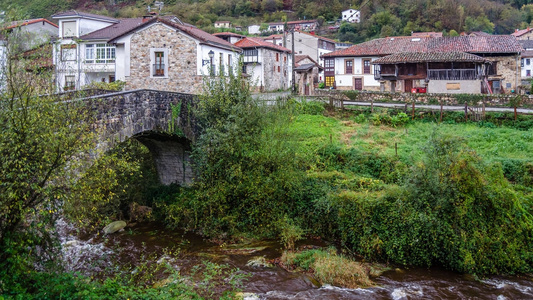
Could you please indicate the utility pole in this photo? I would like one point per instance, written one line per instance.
(293, 72)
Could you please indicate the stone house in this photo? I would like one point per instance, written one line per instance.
(254, 29)
(165, 55)
(306, 73)
(423, 60)
(268, 65)
(523, 34)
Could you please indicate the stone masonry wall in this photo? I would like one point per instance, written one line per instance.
(182, 70)
(506, 69)
(163, 121)
(445, 99)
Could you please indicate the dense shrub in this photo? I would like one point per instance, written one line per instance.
(453, 211)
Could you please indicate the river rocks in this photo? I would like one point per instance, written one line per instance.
(140, 213)
(259, 261)
(114, 227)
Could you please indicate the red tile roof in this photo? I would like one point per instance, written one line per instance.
(253, 42)
(417, 57)
(28, 22)
(521, 32)
(469, 44)
(196, 33)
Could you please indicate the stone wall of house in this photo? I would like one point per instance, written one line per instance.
(182, 52)
(526, 36)
(508, 69)
(446, 99)
(275, 80)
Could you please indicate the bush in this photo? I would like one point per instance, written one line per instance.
(453, 211)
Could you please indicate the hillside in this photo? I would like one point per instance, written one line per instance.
(379, 18)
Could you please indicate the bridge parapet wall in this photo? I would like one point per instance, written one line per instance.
(122, 115)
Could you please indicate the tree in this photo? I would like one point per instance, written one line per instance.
(41, 141)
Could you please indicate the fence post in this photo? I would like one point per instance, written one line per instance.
(466, 111)
(372, 106)
(413, 111)
(440, 120)
(483, 109)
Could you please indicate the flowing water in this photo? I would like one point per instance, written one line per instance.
(95, 254)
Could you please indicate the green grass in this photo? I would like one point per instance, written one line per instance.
(489, 143)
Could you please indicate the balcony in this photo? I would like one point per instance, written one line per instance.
(455, 74)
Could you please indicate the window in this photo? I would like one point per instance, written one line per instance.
(68, 52)
(348, 66)
(250, 55)
(69, 29)
(111, 78)
(528, 73)
(99, 53)
(366, 66)
(284, 58)
(221, 64)
(159, 65)
(528, 61)
(70, 83)
(330, 80)
(279, 69)
(277, 56)
(522, 62)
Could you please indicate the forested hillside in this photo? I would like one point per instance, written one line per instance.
(379, 17)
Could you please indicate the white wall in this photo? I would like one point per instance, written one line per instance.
(465, 86)
(346, 80)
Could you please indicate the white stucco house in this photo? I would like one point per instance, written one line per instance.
(78, 62)
(268, 65)
(254, 29)
(351, 15)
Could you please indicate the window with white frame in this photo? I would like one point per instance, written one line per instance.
(159, 62)
(99, 53)
(70, 83)
(69, 29)
(68, 52)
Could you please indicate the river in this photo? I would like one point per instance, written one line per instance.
(93, 254)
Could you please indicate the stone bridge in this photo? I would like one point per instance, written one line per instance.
(162, 121)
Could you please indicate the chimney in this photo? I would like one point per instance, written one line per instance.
(147, 18)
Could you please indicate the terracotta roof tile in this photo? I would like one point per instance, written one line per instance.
(201, 35)
(417, 57)
(470, 44)
(252, 42)
(28, 22)
(521, 32)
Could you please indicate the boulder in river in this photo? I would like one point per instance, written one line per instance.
(114, 227)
